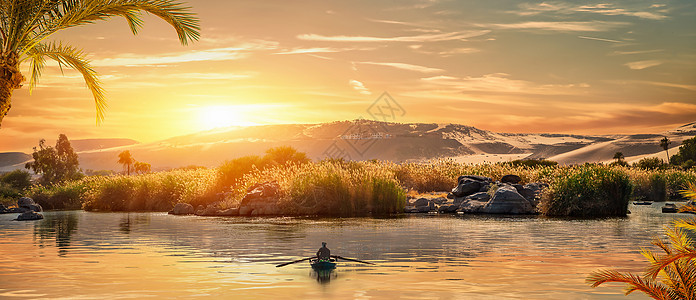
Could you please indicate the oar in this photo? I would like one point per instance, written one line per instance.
(292, 262)
(350, 259)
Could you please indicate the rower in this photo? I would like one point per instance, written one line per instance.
(323, 253)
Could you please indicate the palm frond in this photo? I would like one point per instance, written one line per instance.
(634, 283)
(74, 58)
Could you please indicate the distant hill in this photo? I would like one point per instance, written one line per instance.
(10, 159)
(364, 139)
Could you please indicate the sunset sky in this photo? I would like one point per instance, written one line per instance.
(508, 66)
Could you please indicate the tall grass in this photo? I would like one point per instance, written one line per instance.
(588, 191)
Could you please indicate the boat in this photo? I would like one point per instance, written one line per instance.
(642, 203)
(322, 264)
(669, 208)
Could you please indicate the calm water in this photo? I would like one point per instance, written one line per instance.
(85, 255)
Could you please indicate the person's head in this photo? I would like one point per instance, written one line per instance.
(323, 244)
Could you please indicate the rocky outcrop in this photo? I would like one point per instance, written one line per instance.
(28, 204)
(479, 194)
(261, 199)
(182, 209)
(29, 215)
(507, 200)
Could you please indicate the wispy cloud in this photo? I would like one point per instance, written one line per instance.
(589, 26)
(359, 86)
(643, 64)
(637, 52)
(500, 83)
(598, 39)
(654, 12)
(300, 50)
(404, 66)
(451, 36)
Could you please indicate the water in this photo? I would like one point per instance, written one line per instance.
(81, 255)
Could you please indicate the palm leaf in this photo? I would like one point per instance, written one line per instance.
(75, 58)
(655, 290)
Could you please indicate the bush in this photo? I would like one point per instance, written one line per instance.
(654, 188)
(650, 163)
(68, 195)
(589, 191)
(18, 179)
(532, 163)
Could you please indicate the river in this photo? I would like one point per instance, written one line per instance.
(83, 255)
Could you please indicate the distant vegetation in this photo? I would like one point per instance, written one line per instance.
(349, 187)
(686, 157)
(55, 164)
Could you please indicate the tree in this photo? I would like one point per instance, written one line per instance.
(686, 155)
(142, 168)
(26, 25)
(664, 143)
(649, 163)
(55, 164)
(126, 159)
(677, 268)
(619, 157)
(284, 155)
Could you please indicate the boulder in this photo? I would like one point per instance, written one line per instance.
(448, 208)
(260, 190)
(466, 187)
(480, 197)
(29, 216)
(485, 187)
(410, 209)
(3, 209)
(229, 212)
(261, 199)
(245, 211)
(474, 177)
(28, 204)
(450, 196)
(510, 178)
(423, 209)
(439, 200)
(471, 207)
(507, 200)
(421, 202)
(182, 209)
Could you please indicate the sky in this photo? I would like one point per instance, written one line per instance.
(579, 67)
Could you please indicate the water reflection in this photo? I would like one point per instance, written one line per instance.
(127, 223)
(323, 276)
(60, 227)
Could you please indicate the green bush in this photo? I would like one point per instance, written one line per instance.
(532, 163)
(18, 179)
(654, 188)
(67, 195)
(650, 163)
(589, 191)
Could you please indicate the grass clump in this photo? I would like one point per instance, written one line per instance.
(589, 191)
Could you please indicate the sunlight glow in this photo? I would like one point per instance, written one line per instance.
(211, 117)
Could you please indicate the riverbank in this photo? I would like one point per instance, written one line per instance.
(335, 187)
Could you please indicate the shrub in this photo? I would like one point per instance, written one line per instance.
(650, 163)
(531, 163)
(589, 191)
(18, 179)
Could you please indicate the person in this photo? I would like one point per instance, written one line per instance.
(324, 253)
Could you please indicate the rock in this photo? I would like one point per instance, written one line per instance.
(513, 179)
(466, 187)
(261, 190)
(439, 200)
(421, 202)
(423, 209)
(474, 177)
(182, 209)
(29, 216)
(28, 204)
(450, 196)
(229, 212)
(448, 208)
(410, 209)
(471, 207)
(485, 187)
(507, 200)
(245, 211)
(480, 196)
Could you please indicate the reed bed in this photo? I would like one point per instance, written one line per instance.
(336, 187)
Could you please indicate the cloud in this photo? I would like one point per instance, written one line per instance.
(591, 26)
(499, 83)
(643, 64)
(404, 66)
(359, 86)
(451, 36)
(214, 54)
(637, 52)
(598, 39)
(299, 50)
(602, 9)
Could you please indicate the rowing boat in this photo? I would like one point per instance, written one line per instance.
(322, 264)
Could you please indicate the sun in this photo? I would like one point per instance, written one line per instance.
(211, 117)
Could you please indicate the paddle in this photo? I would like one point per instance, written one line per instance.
(292, 262)
(350, 259)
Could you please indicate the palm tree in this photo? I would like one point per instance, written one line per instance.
(25, 26)
(126, 159)
(664, 143)
(619, 157)
(677, 268)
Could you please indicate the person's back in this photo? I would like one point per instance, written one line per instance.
(324, 253)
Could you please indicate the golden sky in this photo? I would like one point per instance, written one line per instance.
(509, 66)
